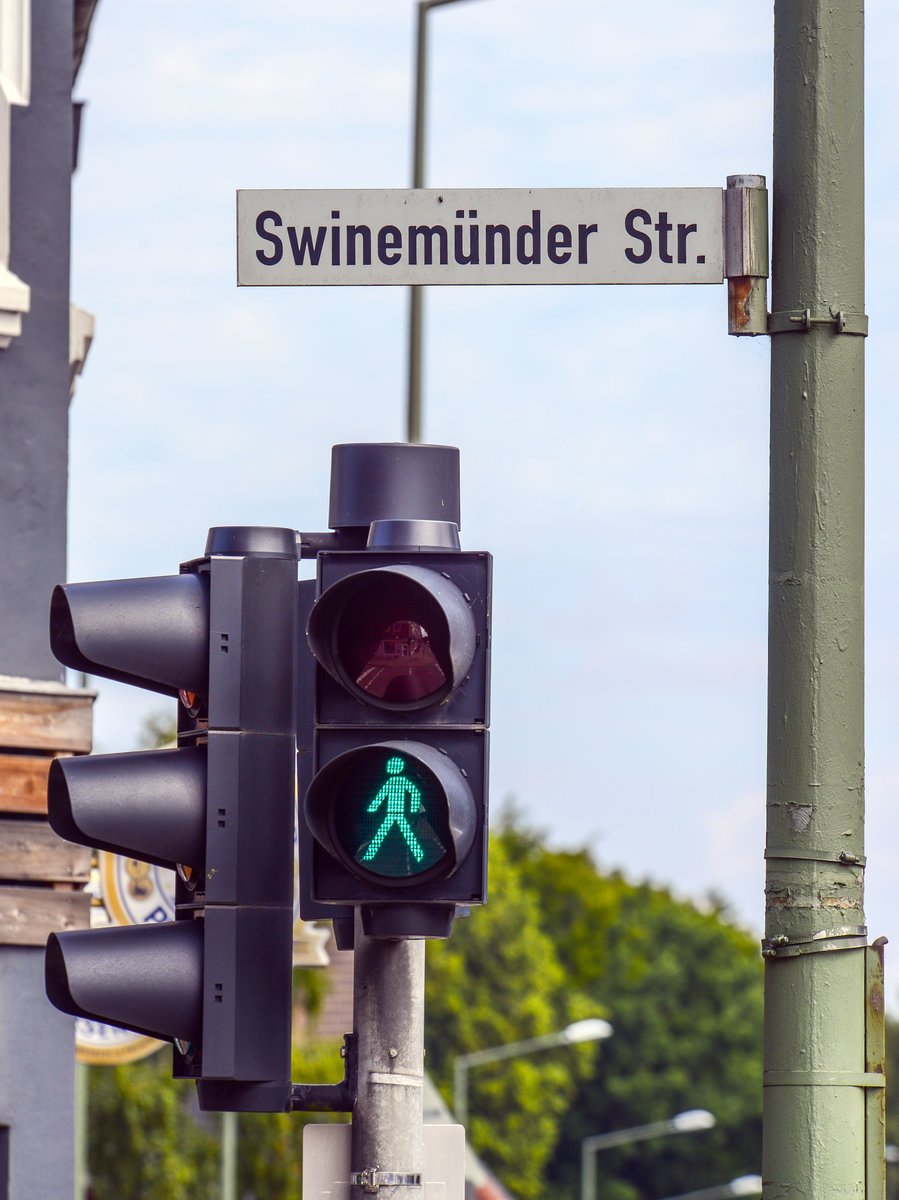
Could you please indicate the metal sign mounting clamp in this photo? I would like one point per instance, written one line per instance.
(800, 320)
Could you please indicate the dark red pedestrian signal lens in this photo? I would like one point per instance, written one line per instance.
(392, 641)
(398, 636)
(401, 665)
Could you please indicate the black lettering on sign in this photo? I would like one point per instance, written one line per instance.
(663, 228)
(583, 232)
(558, 243)
(630, 221)
(529, 233)
(274, 256)
(470, 243)
(683, 232)
(664, 243)
(427, 233)
(353, 234)
(390, 244)
(305, 244)
(458, 246)
(491, 232)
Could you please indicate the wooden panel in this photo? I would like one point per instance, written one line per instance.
(46, 721)
(23, 783)
(28, 915)
(31, 851)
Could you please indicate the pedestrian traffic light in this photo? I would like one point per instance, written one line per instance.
(219, 809)
(397, 805)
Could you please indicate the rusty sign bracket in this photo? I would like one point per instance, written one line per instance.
(746, 254)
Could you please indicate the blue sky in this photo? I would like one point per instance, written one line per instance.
(614, 440)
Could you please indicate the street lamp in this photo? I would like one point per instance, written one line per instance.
(686, 1122)
(591, 1030)
(743, 1185)
(413, 413)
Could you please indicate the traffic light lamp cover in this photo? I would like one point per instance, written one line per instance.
(147, 978)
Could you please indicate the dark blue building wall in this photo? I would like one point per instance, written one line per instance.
(37, 1067)
(34, 369)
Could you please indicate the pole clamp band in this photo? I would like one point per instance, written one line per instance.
(850, 937)
(800, 320)
(863, 1079)
(823, 856)
(373, 1178)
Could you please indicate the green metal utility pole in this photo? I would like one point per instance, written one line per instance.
(823, 1107)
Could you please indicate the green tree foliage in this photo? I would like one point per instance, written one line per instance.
(559, 940)
(498, 980)
(140, 1144)
(270, 1163)
(148, 1139)
(159, 729)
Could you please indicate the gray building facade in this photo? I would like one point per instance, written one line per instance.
(40, 50)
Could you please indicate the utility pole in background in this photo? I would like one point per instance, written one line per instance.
(416, 300)
(823, 1095)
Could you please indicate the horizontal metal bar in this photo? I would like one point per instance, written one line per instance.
(372, 1178)
(801, 320)
(849, 937)
(824, 856)
(330, 1097)
(394, 1079)
(863, 1079)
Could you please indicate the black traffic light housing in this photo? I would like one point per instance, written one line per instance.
(383, 732)
(400, 630)
(219, 809)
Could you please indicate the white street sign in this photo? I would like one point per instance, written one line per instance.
(459, 236)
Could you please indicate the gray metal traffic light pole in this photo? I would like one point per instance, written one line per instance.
(823, 1095)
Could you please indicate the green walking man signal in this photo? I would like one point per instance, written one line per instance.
(394, 792)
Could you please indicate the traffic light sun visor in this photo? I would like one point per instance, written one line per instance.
(151, 633)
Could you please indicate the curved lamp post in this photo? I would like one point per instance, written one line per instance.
(743, 1185)
(591, 1030)
(690, 1121)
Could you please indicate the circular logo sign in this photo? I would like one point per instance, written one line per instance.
(105, 1045)
(135, 892)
